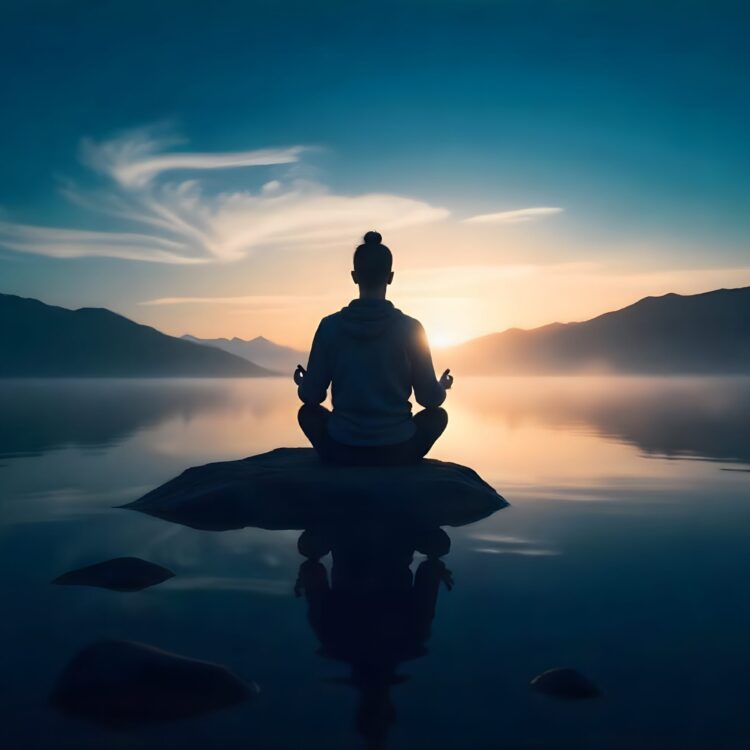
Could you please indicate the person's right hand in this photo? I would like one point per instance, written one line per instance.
(299, 375)
(446, 380)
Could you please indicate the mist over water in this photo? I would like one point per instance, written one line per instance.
(624, 554)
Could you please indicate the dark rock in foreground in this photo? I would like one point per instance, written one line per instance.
(565, 683)
(288, 488)
(119, 574)
(121, 683)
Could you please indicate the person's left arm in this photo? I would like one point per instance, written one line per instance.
(312, 384)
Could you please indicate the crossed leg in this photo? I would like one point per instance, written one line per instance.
(312, 419)
(430, 425)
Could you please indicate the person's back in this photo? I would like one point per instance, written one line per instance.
(372, 355)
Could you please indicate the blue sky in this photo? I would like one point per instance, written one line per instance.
(631, 118)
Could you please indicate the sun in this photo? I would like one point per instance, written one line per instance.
(441, 339)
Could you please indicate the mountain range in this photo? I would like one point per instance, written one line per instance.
(261, 351)
(705, 333)
(38, 340)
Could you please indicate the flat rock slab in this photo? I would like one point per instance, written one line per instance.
(565, 683)
(119, 574)
(289, 488)
(122, 683)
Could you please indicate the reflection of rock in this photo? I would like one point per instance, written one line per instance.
(565, 683)
(122, 683)
(120, 574)
(289, 488)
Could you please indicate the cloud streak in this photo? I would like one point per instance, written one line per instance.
(79, 243)
(164, 216)
(134, 160)
(514, 217)
(253, 301)
(179, 221)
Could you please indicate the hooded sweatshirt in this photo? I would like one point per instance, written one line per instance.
(372, 355)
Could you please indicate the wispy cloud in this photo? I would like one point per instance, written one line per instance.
(164, 216)
(77, 243)
(259, 301)
(180, 222)
(514, 217)
(134, 159)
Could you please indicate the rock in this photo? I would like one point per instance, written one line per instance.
(121, 683)
(119, 574)
(289, 488)
(565, 683)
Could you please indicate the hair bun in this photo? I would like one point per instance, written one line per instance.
(373, 238)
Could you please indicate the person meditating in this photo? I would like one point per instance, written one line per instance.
(372, 356)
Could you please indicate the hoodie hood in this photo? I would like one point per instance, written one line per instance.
(368, 318)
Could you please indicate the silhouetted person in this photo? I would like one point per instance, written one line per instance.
(374, 614)
(372, 356)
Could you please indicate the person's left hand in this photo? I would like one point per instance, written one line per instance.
(299, 375)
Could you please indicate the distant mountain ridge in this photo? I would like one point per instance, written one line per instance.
(261, 351)
(706, 333)
(39, 340)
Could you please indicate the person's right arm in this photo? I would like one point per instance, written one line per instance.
(428, 391)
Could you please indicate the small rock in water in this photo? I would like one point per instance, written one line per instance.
(565, 683)
(120, 574)
(122, 683)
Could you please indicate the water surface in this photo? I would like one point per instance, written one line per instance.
(624, 554)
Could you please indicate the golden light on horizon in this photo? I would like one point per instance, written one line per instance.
(454, 303)
(440, 340)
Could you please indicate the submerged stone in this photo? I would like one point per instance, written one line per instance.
(122, 683)
(565, 683)
(119, 574)
(289, 488)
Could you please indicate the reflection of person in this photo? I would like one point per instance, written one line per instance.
(372, 356)
(374, 613)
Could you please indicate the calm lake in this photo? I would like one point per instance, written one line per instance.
(624, 554)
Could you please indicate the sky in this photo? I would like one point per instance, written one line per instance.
(208, 168)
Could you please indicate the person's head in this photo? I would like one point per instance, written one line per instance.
(372, 264)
